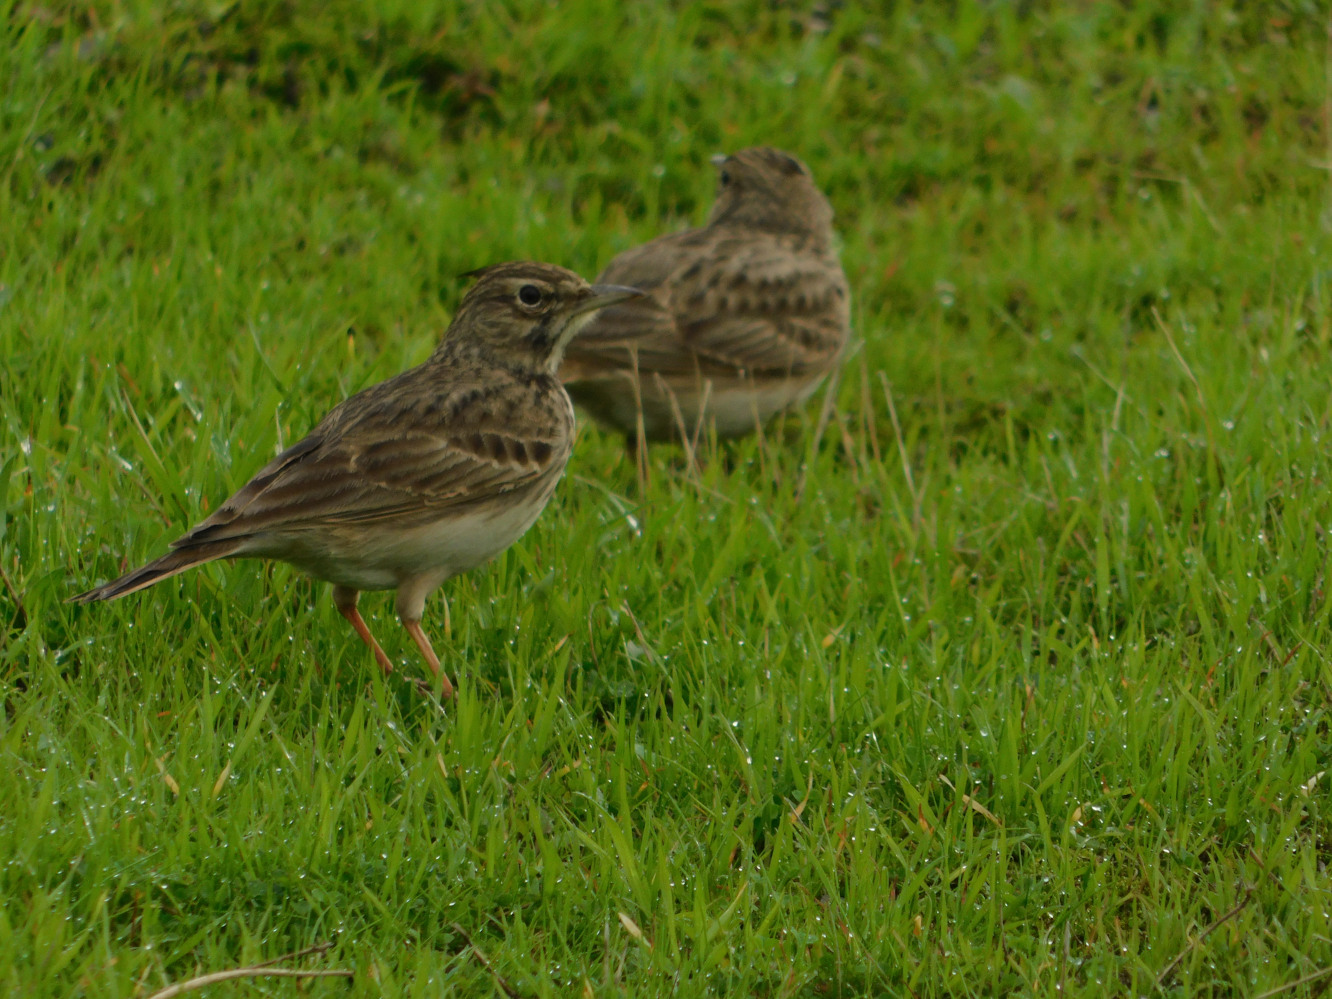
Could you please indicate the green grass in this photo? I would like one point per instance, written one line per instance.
(1019, 691)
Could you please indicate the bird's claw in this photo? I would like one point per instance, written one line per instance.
(440, 687)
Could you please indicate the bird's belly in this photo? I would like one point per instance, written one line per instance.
(736, 409)
(379, 557)
(735, 406)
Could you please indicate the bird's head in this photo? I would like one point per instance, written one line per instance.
(524, 314)
(767, 189)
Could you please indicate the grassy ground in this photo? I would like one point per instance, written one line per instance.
(1015, 680)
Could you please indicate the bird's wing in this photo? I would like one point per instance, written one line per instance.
(720, 303)
(764, 307)
(641, 331)
(398, 451)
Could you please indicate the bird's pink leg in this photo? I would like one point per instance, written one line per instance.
(432, 660)
(345, 601)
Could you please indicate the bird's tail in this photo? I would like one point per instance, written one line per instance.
(173, 562)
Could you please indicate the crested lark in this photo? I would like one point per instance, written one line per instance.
(743, 318)
(423, 476)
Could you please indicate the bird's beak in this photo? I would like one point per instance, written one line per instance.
(719, 159)
(601, 296)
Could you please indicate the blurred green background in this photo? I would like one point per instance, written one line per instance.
(1013, 679)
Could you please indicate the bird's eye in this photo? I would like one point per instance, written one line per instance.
(529, 294)
(725, 177)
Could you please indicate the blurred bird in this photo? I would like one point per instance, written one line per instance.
(423, 476)
(743, 318)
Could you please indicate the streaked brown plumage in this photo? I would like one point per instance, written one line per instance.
(423, 476)
(743, 317)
